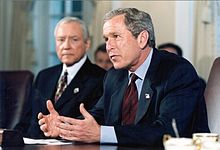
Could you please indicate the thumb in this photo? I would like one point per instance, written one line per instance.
(83, 111)
(51, 108)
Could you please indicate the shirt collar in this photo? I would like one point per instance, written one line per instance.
(72, 70)
(143, 68)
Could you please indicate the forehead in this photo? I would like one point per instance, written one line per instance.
(69, 28)
(116, 24)
(102, 55)
(170, 49)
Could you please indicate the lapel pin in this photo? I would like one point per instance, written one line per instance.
(147, 96)
(76, 90)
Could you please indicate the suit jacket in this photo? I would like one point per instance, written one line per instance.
(2, 102)
(85, 87)
(171, 89)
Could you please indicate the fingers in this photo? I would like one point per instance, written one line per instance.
(41, 121)
(67, 120)
(83, 111)
(40, 115)
(65, 126)
(68, 135)
(69, 132)
(43, 127)
(41, 118)
(50, 107)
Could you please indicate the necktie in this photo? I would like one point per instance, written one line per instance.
(130, 102)
(62, 84)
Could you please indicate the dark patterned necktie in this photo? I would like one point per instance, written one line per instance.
(130, 102)
(62, 84)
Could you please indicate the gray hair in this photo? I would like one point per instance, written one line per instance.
(74, 19)
(136, 22)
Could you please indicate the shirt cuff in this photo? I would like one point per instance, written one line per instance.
(108, 135)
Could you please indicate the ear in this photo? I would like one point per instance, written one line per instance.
(142, 39)
(88, 43)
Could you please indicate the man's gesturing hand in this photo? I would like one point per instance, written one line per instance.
(86, 130)
(48, 122)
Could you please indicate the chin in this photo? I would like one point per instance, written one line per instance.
(118, 66)
(68, 63)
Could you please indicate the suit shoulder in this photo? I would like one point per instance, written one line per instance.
(116, 74)
(96, 70)
(50, 70)
(165, 64)
(170, 60)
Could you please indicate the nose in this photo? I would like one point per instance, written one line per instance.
(109, 44)
(66, 44)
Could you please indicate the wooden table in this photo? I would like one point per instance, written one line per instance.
(75, 146)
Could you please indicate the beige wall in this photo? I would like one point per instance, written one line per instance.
(162, 13)
(174, 21)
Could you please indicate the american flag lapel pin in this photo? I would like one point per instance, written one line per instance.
(147, 96)
(76, 90)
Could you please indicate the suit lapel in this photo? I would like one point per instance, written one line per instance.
(117, 98)
(74, 88)
(52, 83)
(147, 91)
(145, 99)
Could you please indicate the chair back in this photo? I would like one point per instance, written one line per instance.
(212, 97)
(15, 91)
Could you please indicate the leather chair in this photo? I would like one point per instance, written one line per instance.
(15, 91)
(212, 97)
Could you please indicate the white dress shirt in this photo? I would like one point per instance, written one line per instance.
(72, 70)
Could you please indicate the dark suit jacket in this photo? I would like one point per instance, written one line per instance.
(85, 87)
(175, 92)
(2, 103)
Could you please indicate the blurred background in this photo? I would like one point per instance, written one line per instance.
(27, 40)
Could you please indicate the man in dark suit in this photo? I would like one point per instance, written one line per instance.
(2, 104)
(166, 86)
(84, 79)
(173, 48)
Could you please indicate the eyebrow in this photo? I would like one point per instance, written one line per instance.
(67, 36)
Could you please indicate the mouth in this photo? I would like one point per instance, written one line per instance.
(114, 57)
(67, 54)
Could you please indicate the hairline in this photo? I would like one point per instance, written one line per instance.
(67, 20)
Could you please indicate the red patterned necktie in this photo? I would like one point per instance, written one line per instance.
(62, 84)
(130, 102)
